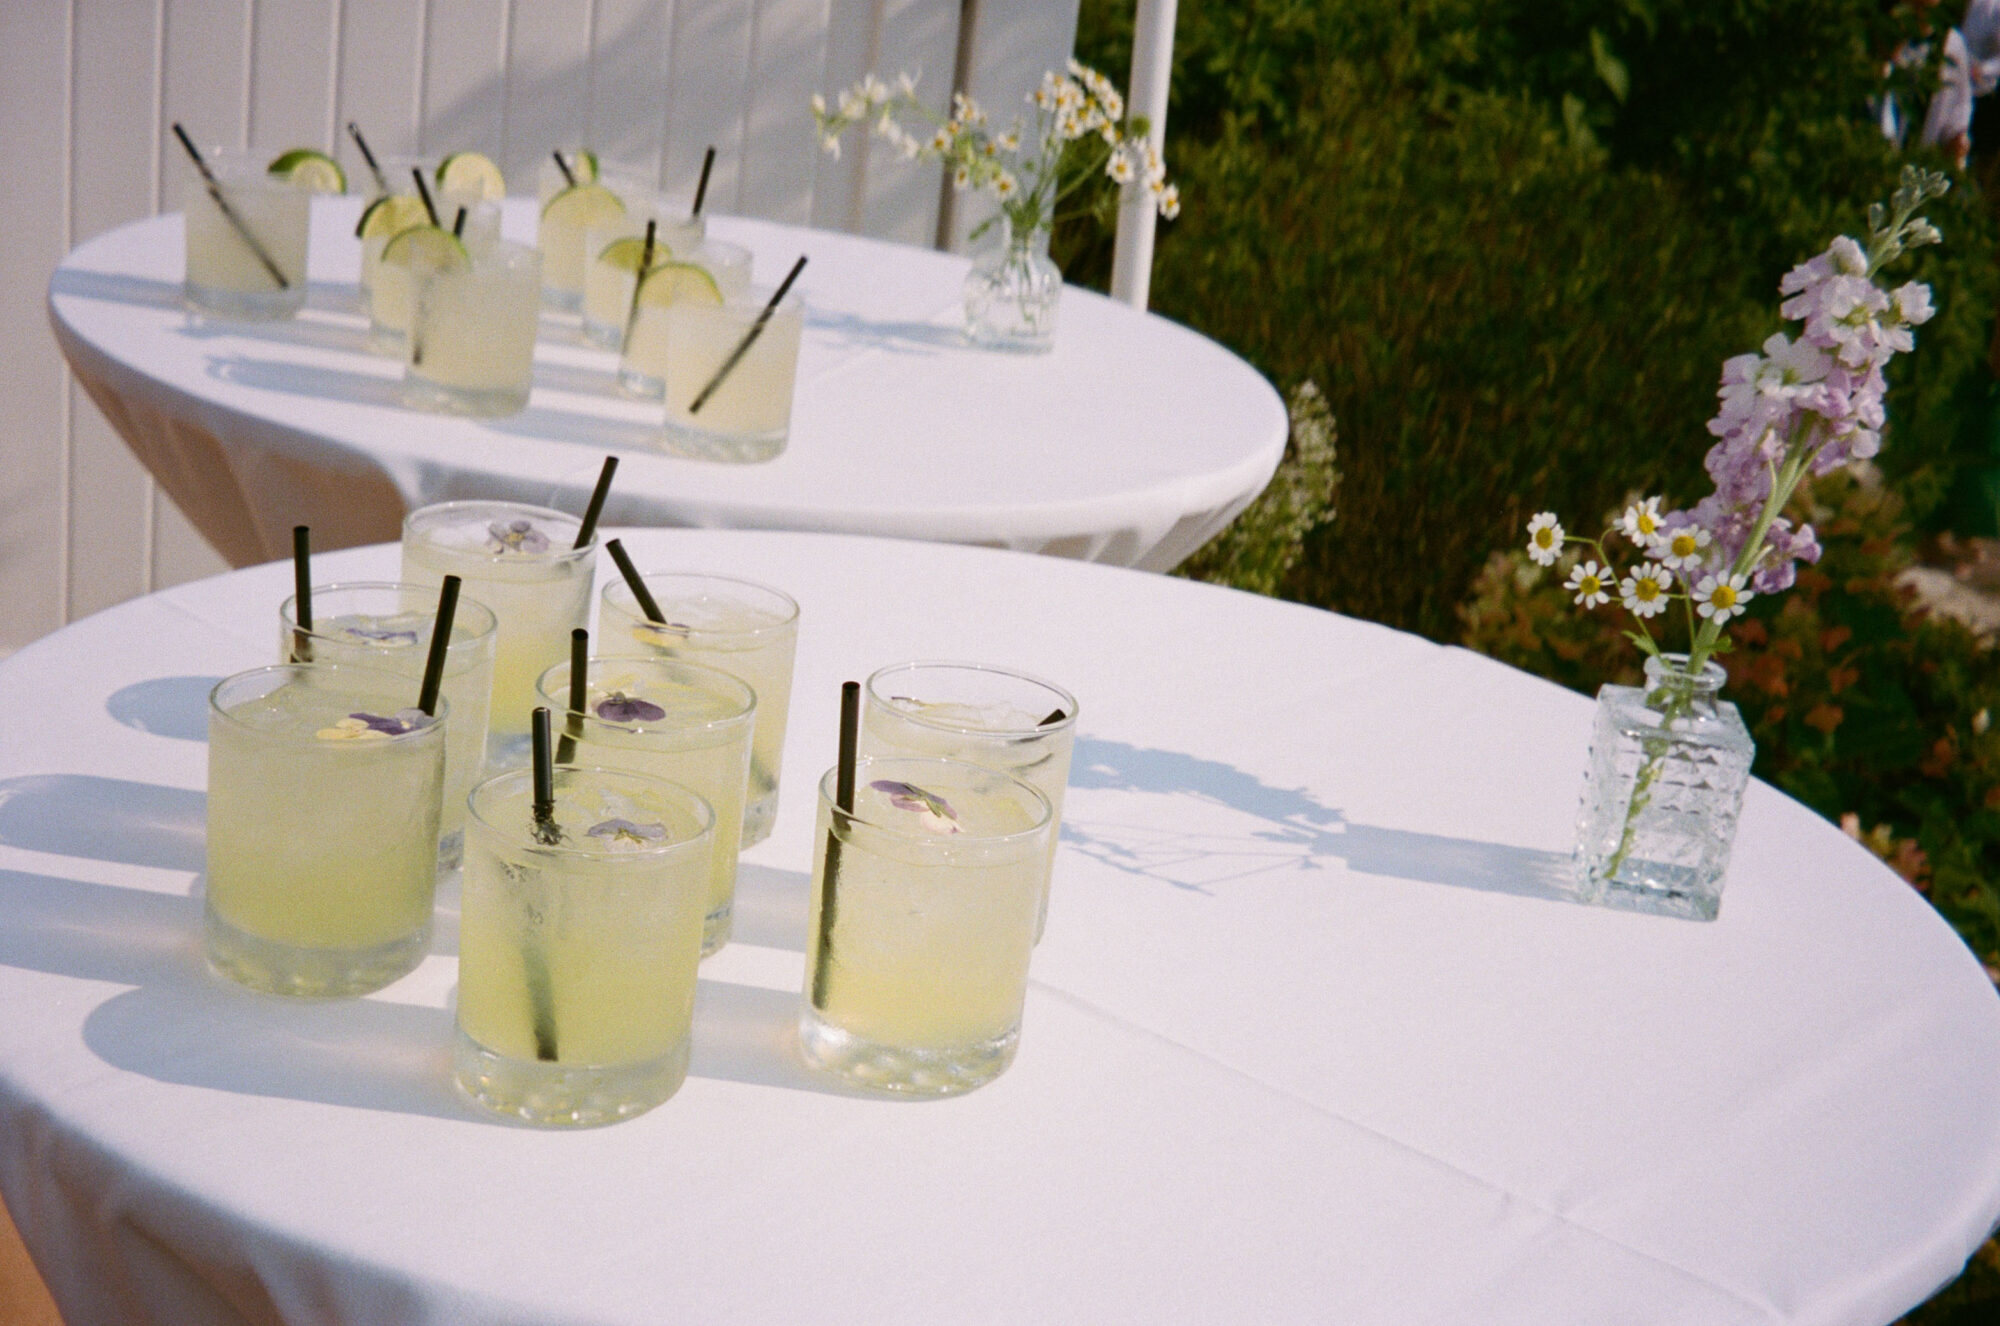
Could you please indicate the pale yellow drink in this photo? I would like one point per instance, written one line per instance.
(225, 275)
(747, 414)
(559, 233)
(678, 721)
(578, 945)
(472, 333)
(323, 791)
(390, 288)
(517, 560)
(608, 283)
(748, 630)
(922, 924)
(642, 367)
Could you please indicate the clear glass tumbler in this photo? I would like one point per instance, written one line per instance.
(246, 250)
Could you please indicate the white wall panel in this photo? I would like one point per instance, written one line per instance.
(380, 55)
(292, 73)
(628, 85)
(708, 69)
(548, 83)
(464, 86)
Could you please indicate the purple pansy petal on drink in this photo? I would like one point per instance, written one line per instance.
(391, 725)
(908, 796)
(375, 635)
(619, 707)
(625, 831)
(516, 536)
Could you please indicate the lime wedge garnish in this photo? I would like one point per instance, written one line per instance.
(678, 283)
(314, 170)
(471, 173)
(584, 166)
(392, 214)
(427, 249)
(626, 254)
(583, 205)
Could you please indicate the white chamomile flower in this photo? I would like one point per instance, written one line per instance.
(1170, 201)
(1644, 592)
(906, 84)
(1641, 521)
(1684, 548)
(1114, 105)
(961, 177)
(1004, 186)
(874, 90)
(1545, 539)
(852, 105)
(941, 140)
(1009, 142)
(819, 105)
(1119, 168)
(1590, 583)
(1718, 598)
(831, 145)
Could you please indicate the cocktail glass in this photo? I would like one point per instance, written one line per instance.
(923, 921)
(1009, 721)
(549, 179)
(642, 367)
(323, 799)
(678, 721)
(227, 273)
(745, 412)
(387, 625)
(578, 945)
(748, 630)
(560, 236)
(472, 334)
(518, 561)
(390, 288)
(608, 284)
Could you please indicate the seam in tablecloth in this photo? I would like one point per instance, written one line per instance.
(1767, 1310)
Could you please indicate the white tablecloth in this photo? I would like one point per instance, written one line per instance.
(1133, 442)
(1308, 1039)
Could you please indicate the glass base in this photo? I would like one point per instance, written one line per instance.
(758, 817)
(309, 973)
(1656, 889)
(562, 301)
(901, 1069)
(988, 337)
(422, 393)
(641, 386)
(604, 335)
(245, 305)
(715, 929)
(565, 1095)
(732, 448)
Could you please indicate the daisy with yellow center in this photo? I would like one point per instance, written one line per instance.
(1545, 539)
(1641, 522)
(1590, 583)
(1718, 598)
(1645, 592)
(1684, 548)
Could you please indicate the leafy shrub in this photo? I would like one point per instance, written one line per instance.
(1262, 544)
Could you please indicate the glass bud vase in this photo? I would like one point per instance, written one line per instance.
(1668, 766)
(1012, 292)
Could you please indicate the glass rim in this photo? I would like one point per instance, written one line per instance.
(828, 785)
(707, 632)
(520, 838)
(392, 682)
(287, 614)
(242, 167)
(464, 506)
(610, 663)
(1070, 706)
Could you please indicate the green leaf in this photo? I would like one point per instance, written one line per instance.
(1609, 67)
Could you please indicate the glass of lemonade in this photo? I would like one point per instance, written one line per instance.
(472, 333)
(579, 938)
(748, 630)
(225, 274)
(747, 416)
(518, 561)
(390, 288)
(1007, 721)
(567, 217)
(323, 800)
(678, 721)
(642, 365)
(923, 920)
(611, 268)
(386, 625)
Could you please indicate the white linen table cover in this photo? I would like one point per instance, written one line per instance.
(1133, 442)
(1310, 1038)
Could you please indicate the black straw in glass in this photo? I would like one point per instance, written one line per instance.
(579, 694)
(458, 226)
(381, 180)
(424, 192)
(228, 212)
(302, 590)
(647, 603)
(749, 337)
(427, 698)
(843, 800)
(541, 998)
(701, 185)
(588, 529)
(569, 176)
(645, 265)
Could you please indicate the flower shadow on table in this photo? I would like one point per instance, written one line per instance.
(850, 329)
(1273, 829)
(165, 706)
(334, 384)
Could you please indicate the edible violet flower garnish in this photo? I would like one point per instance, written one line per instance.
(365, 726)
(518, 536)
(623, 832)
(938, 816)
(376, 635)
(619, 707)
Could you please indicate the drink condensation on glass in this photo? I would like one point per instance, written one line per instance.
(1005, 720)
(518, 561)
(923, 921)
(678, 721)
(225, 275)
(472, 333)
(748, 630)
(387, 625)
(610, 274)
(747, 415)
(642, 366)
(578, 947)
(323, 799)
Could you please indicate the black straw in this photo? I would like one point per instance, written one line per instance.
(579, 694)
(701, 185)
(302, 590)
(424, 192)
(569, 176)
(458, 226)
(381, 180)
(228, 212)
(541, 999)
(843, 800)
(427, 697)
(1056, 715)
(749, 338)
(645, 265)
(647, 603)
(588, 529)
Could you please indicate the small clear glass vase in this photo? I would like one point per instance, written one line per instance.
(1669, 762)
(1012, 292)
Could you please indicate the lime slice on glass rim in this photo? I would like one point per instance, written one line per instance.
(391, 214)
(673, 283)
(471, 173)
(583, 205)
(426, 250)
(626, 254)
(312, 170)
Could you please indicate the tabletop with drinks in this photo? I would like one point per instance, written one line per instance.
(487, 928)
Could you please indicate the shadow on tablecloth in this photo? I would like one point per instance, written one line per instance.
(165, 706)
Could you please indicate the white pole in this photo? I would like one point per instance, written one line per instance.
(1152, 71)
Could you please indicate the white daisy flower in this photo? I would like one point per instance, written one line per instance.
(831, 145)
(875, 90)
(1119, 168)
(1590, 583)
(1644, 592)
(1009, 142)
(1170, 201)
(1114, 105)
(1004, 186)
(819, 105)
(1545, 539)
(1683, 549)
(906, 84)
(941, 141)
(1720, 598)
(1641, 521)
(961, 177)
